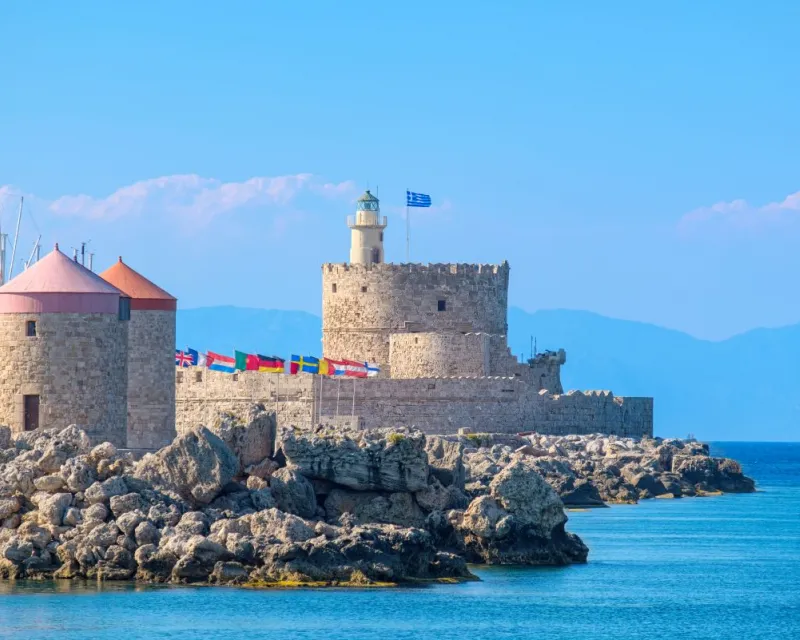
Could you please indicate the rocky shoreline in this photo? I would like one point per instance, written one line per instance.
(239, 504)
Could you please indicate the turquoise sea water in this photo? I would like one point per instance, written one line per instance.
(723, 567)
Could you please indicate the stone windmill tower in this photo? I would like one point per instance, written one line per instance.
(64, 350)
(151, 358)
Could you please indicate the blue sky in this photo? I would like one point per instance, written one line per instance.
(639, 160)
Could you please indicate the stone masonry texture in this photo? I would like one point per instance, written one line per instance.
(362, 305)
(76, 364)
(151, 379)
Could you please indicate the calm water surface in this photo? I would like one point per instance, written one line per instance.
(726, 567)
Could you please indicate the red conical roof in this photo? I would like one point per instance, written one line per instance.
(56, 284)
(144, 294)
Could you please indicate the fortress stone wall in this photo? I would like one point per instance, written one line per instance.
(434, 405)
(430, 354)
(76, 364)
(363, 305)
(151, 372)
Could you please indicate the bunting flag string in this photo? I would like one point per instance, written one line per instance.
(242, 361)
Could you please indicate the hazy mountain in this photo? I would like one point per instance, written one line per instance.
(743, 388)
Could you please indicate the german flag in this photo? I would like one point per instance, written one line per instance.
(271, 364)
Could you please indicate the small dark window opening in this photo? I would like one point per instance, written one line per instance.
(381, 236)
(416, 340)
(363, 289)
(30, 328)
(179, 376)
(198, 376)
(333, 287)
(442, 305)
(31, 412)
(235, 377)
(124, 308)
(431, 386)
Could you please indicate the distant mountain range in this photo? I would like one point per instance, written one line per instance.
(743, 388)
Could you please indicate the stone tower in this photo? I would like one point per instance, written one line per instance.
(64, 350)
(366, 235)
(151, 358)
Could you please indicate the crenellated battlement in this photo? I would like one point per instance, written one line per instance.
(501, 269)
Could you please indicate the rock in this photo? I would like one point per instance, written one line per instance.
(50, 483)
(263, 469)
(118, 564)
(121, 504)
(129, 521)
(229, 573)
(193, 523)
(72, 517)
(103, 451)
(155, 565)
(196, 466)
(251, 439)
(280, 527)
(146, 533)
(293, 493)
(370, 507)
(8, 506)
(435, 497)
(104, 491)
(97, 512)
(374, 461)
(103, 535)
(446, 460)
(523, 492)
(52, 509)
(5, 437)
(77, 475)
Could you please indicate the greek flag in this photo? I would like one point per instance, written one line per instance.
(417, 199)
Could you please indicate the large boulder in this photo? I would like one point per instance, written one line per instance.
(251, 436)
(196, 466)
(293, 492)
(371, 507)
(360, 460)
(446, 460)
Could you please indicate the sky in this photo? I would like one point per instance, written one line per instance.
(637, 160)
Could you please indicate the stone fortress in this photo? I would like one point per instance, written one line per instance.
(98, 351)
(439, 334)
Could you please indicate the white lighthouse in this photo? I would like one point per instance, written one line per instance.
(366, 242)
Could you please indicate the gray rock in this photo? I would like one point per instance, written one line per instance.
(365, 461)
(8, 506)
(278, 526)
(72, 517)
(196, 466)
(446, 460)
(372, 507)
(121, 504)
(129, 521)
(5, 437)
(293, 493)
(50, 483)
(251, 437)
(97, 512)
(229, 573)
(77, 475)
(52, 509)
(146, 533)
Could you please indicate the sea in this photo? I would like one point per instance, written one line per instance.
(716, 567)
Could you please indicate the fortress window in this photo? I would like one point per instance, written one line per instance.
(179, 376)
(30, 328)
(363, 289)
(198, 376)
(416, 340)
(381, 236)
(442, 305)
(333, 287)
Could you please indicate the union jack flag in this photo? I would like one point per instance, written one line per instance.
(183, 359)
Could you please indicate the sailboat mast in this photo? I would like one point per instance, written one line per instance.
(16, 237)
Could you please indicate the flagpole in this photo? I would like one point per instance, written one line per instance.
(408, 232)
(353, 411)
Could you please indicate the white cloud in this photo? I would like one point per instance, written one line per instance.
(196, 198)
(741, 215)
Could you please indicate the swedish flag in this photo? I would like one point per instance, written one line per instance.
(304, 364)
